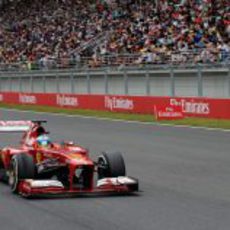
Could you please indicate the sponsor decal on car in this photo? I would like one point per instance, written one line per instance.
(63, 100)
(27, 99)
(44, 183)
(14, 125)
(122, 180)
(118, 103)
(78, 158)
(1, 98)
(38, 157)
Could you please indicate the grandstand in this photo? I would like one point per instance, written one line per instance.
(46, 34)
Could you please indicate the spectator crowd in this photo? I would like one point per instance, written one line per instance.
(42, 33)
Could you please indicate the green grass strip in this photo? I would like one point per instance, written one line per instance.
(198, 122)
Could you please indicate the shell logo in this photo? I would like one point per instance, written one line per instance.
(77, 158)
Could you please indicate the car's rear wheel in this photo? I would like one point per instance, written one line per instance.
(111, 165)
(21, 167)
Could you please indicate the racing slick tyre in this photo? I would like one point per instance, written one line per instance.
(21, 167)
(111, 165)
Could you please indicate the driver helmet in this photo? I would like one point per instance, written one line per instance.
(43, 141)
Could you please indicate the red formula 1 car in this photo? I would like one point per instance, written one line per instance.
(40, 167)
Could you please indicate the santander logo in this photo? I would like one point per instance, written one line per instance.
(27, 99)
(63, 100)
(191, 106)
(118, 103)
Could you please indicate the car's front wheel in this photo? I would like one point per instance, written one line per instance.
(21, 167)
(111, 165)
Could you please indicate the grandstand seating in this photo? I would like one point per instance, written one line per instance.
(50, 33)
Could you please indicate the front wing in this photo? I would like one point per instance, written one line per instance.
(106, 186)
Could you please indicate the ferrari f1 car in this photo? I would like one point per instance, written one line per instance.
(59, 168)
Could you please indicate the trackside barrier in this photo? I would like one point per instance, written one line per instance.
(168, 112)
(190, 107)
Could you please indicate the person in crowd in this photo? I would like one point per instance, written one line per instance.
(61, 33)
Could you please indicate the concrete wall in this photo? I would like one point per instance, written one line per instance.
(192, 82)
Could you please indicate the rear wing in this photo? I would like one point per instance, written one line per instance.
(15, 126)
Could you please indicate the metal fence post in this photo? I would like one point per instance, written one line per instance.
(126, 84)
(199, 82)
(31, 84)
(106, 82)
(20, 83)
(88, 82)
(44, 84)
(10, 83)
(0, 82)
(57, 84)
(229, 82)
(72, 86)
(172, 81)
(147, 82)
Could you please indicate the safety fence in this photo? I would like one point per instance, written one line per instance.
(145, 59)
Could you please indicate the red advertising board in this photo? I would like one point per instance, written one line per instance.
(190, 106)
(168, 113)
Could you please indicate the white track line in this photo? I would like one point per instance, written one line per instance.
(117, 120)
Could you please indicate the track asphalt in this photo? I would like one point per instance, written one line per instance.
(184, 177)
